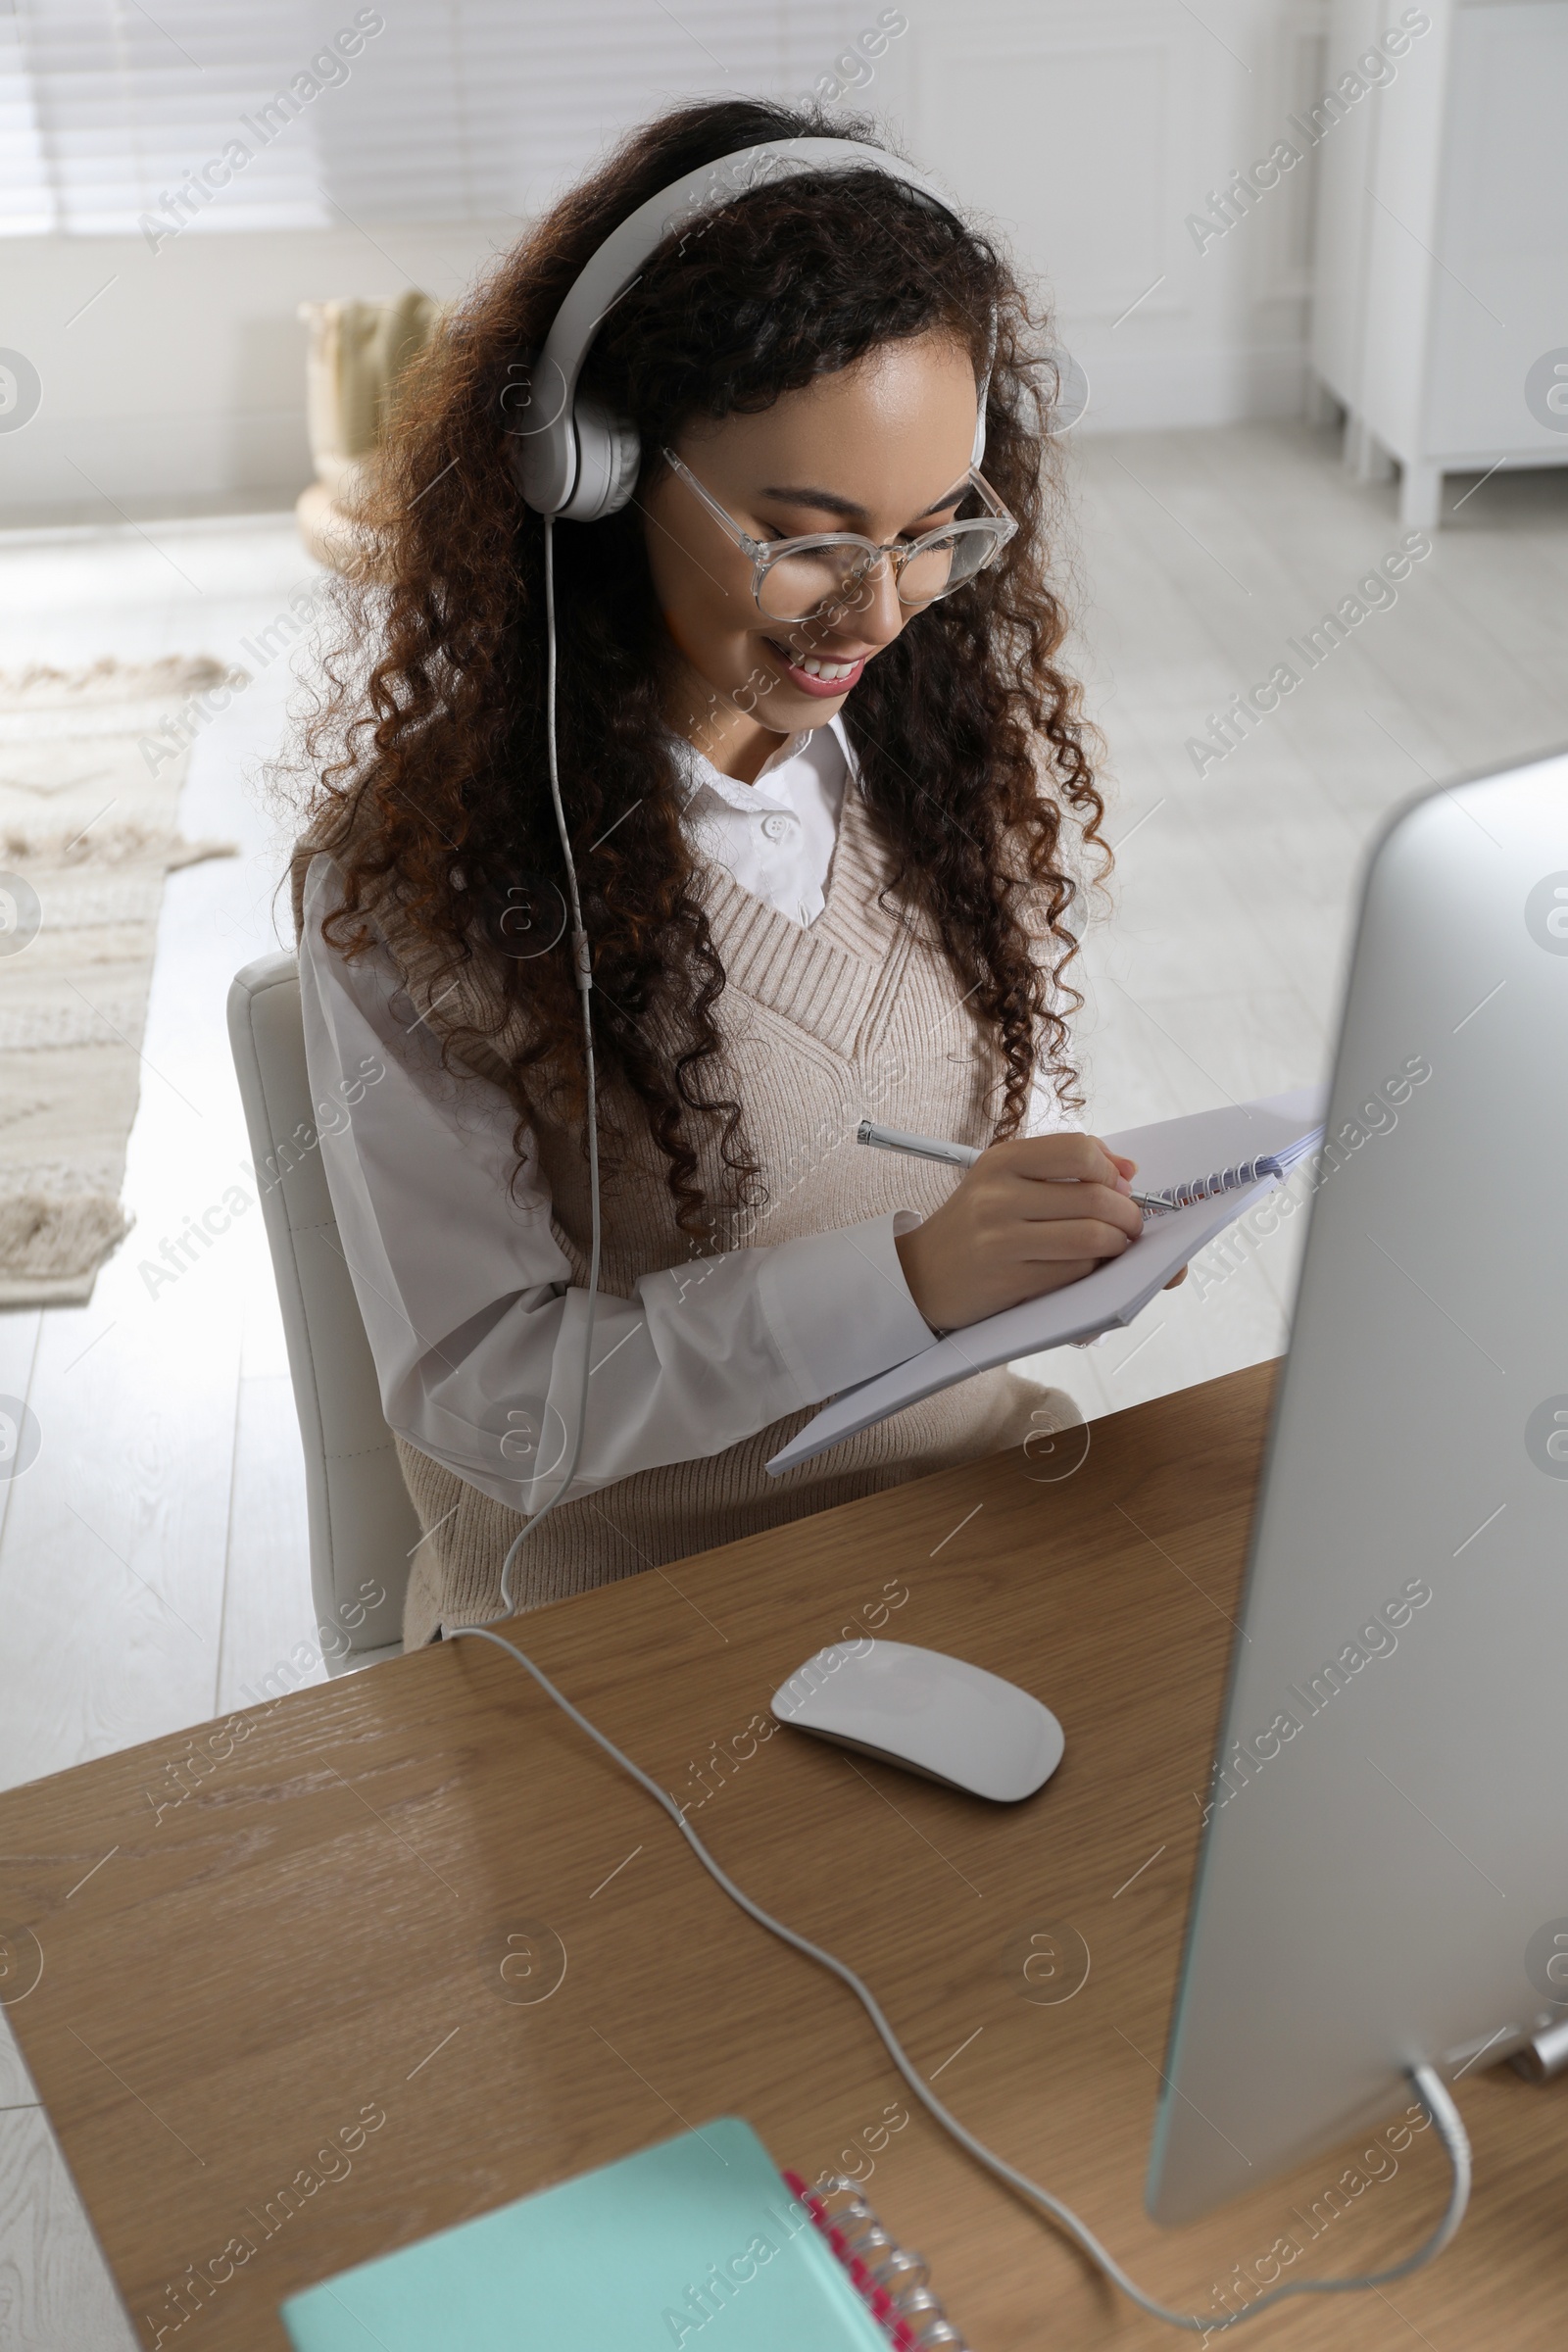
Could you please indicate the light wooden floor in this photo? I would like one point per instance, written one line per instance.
(153, 1562)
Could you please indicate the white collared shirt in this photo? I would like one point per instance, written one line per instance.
(473, 1320)
(775, 837)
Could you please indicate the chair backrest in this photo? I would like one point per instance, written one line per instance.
(363, 1526)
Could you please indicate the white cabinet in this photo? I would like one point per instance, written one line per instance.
(1441, 307)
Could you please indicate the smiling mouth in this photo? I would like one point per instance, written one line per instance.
(814, 674)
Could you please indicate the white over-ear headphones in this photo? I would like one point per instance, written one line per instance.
(571, 455)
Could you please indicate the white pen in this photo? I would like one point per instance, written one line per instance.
(915, 1147)
(962, 1155)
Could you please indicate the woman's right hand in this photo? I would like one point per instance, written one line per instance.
(1029, 1216)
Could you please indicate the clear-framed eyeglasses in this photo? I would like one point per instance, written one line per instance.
(804, 579)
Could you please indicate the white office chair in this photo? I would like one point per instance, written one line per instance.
(363, 1526)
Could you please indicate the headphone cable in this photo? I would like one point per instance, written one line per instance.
(582, 975)
(1428, 2084)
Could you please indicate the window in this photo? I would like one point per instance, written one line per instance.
(224, 115)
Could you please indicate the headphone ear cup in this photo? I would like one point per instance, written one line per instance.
(609, 461)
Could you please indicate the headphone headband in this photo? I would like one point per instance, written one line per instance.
(581, 462)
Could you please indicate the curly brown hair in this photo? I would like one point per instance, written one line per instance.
(427, 746)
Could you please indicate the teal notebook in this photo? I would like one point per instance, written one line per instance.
(646, 2254)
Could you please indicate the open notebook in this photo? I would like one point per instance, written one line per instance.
(1188, 1153)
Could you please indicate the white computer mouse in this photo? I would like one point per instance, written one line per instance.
(935, 1715)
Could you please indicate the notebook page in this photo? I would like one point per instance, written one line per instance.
(1167, 1153)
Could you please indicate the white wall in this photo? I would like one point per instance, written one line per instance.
(1088, 129)
(183, 380)
(1091, 130)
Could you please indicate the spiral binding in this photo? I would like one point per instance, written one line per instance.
(1223, 1180)
(896, 2283)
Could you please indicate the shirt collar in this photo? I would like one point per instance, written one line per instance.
(703, 780)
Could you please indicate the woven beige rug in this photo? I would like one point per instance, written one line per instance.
(91, 765)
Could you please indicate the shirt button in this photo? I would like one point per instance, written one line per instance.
(776, 826)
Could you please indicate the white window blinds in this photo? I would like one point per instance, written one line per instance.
(219, 114)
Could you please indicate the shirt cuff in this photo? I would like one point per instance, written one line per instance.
(838, 1306)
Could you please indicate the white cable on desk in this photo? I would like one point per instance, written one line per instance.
(1431, 2091)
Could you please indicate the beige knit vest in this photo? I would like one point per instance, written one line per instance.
(858, 1016)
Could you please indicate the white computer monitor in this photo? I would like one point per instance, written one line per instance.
(1384, 1875)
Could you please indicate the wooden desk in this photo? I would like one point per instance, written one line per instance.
(313, 1938)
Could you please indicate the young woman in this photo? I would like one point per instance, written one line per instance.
(825, 808)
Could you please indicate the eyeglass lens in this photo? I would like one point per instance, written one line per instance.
(800, 585)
